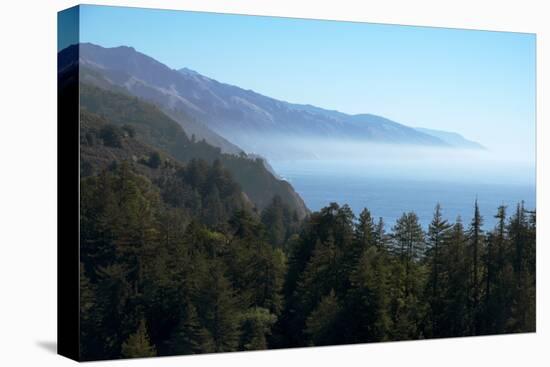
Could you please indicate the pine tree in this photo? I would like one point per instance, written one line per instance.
(366, 311)
(365, 230)
(322, 322)
(321, 274)
(522, 317)
(496, 285)
(380, 237)
(190, 337)
(218, 309)
(138, 344)
(475, 236)
(256, 325)
(273, 218)
(408, 243)
(436, 239)
(456, 292)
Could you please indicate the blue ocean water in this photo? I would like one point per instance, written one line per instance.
(388, 196)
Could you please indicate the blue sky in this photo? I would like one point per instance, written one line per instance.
(478, 83)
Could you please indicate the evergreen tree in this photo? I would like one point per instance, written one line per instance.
(476, 239)
(522, 317)
(190, 337)
(408, 243)
(436, 240)
(138, 345)
(218, 309)
(154, 160)
(273, 218)
(321, 324)
(256, 325)
(366, 313)
(496, 283)
(365, 232)
(380, 237)
(455, 318)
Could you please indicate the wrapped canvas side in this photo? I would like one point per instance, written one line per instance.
(68, 188)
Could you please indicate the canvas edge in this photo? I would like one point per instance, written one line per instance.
(68, 197)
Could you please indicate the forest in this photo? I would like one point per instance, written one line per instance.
(176, 258)
(185, 271)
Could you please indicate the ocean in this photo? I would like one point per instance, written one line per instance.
(389, 196)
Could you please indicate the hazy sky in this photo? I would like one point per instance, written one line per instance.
(478, 83)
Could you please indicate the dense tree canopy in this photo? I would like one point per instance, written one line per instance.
(177, 266)
(176, 259)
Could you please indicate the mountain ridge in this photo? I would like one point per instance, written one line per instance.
(452, 138)
(155, 129)
(236, 119)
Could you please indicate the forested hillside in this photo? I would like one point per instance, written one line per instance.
(186, 250)
(154, 128)
(160, 279)
(350, 281)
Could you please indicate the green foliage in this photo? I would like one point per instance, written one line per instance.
(217, 306)
(138, 345)
(176, 260)
(154, 160)
(155, 129)
(225, 285)
(437, 240)
(190, 336)
(256, 326)
(322, 321)
(111, 136)
(368, 301)
(280, 221)
(408, 238)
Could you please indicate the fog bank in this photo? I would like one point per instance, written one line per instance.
(400, 161)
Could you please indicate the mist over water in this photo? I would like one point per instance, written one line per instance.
(392, 179)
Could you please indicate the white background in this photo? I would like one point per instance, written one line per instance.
(28, 183)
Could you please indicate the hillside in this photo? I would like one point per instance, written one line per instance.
(199, 190)
(454, 139)
(120, 78)
(157, 130)
(256, 123)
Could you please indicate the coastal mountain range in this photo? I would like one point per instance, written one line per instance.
(242, 121)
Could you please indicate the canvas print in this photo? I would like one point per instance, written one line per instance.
(251, 183)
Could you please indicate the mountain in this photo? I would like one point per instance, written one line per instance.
(122, 69)
(231, 117)
(451, 138)
(153, 131)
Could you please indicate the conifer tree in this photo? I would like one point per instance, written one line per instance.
(475, 236)
(218, 309)
(256, 325)
(322, 323)
(455, 319)
(273, 218)
(380, 237)
(408, 243)
(436, 240)
(365, 231)
(138, 344)
(190, 337)
(366, 313)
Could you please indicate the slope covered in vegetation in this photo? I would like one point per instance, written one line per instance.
(154, 128)
(176, 259)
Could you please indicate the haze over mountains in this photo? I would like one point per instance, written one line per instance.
(452, 138)
(236, 119)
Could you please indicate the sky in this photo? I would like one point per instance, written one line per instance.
(480, 84)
